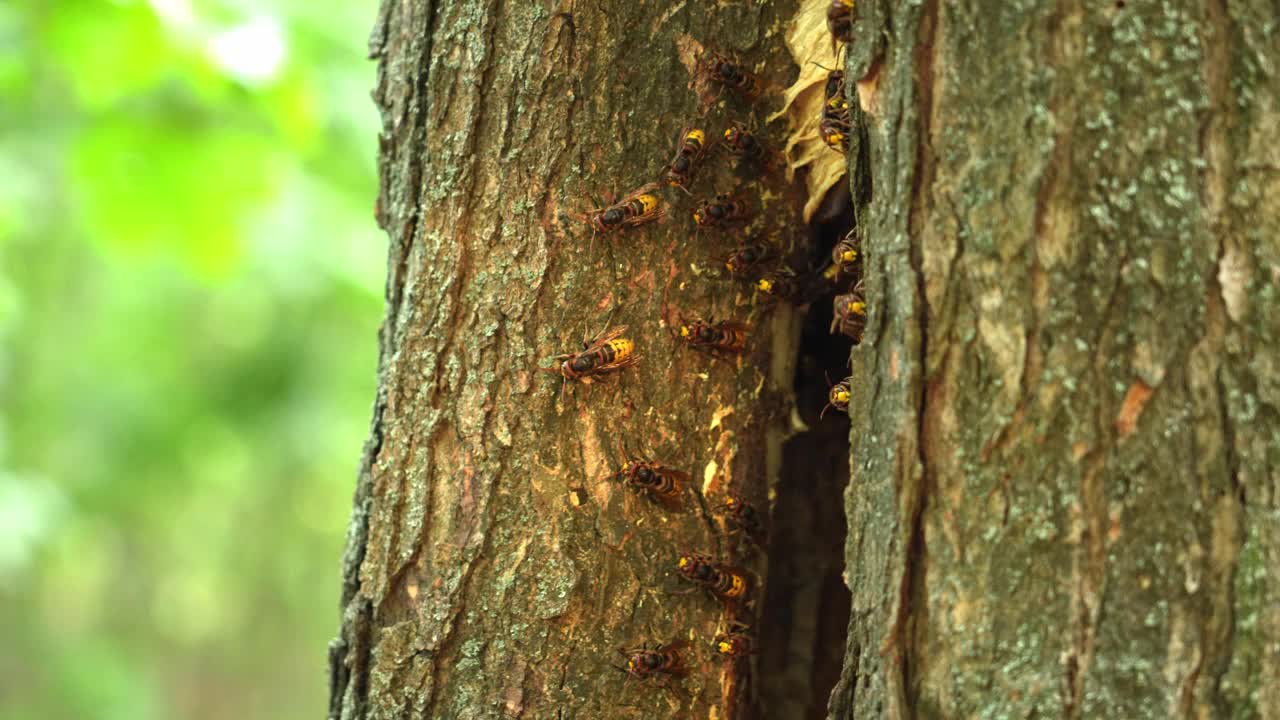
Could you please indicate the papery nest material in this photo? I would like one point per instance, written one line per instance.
(810, 46)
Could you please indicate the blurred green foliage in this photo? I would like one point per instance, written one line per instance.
(190, 286)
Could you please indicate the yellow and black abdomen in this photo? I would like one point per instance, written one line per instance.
(644, 205)
(658, 482)
(734, 339)
(652, 478)
(728, 584)
(731, 585)
(616, 350)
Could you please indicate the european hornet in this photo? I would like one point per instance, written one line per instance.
(729, 584)
(849, 314)
(744, 516)
(735, 643)
(661, 484)
(846, 254)
(835, 100)
(640, 207)
(730, 73)
(780, 284)
(607, 353)
(662, 662)
(838, 397)
(840, 21)
(746, 258)
(834, 127)
(742, 142)
(726, 336)
(835, 133)
(679, 172)
(721, 211)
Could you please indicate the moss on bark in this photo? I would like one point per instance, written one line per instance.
(1064, 474)
(490, 572)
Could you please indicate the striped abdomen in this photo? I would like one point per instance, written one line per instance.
(612, 352)
(722, 581)
(733, 339)
(693, 142)
(645, 476)
(665, 660)
(729, 585)
(641, 205)
(616, 350)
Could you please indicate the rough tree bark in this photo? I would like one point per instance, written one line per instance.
(489, 572)
(1066, 448)
(1067, 428)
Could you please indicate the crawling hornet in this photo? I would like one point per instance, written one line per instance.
(659, 483)
(724, 337)
(834, 93)
(835, 125)
(735, 643)
(746, 258)
(744, 143)
(838, 397)
(663, 663)
(679, 172)
(744, 516)
(729, 73)
(729, 584)
(606, 353)
(849, 314)
(721, 211)
(845, 254)
(835, 133)
(780, 284)
(640, 207)
(840, 22)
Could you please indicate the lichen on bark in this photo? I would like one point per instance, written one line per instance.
(1066, 424)
(1064, 467)
(490, 572)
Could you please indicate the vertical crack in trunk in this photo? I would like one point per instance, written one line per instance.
(1231, 522)
(913, 491)
(806, 608)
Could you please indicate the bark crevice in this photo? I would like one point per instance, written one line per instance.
(912, 605)
(1067, 266)
(806, 606)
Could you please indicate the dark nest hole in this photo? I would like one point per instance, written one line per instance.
(805, 616)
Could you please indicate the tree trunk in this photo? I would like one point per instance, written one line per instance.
(1068, 433)
(1066, 420)
(491, 571)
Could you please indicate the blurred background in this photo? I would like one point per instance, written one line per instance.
(190, 286)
